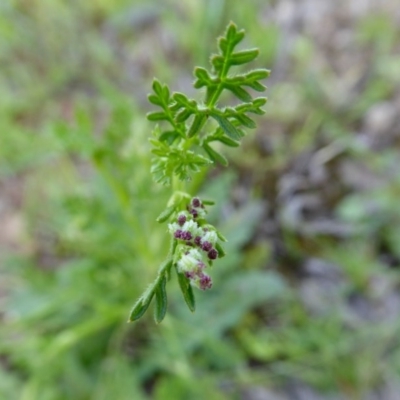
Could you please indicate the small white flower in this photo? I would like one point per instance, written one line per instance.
(201, 212)
(192, 227)
(172, 228)
(210, 236)
(189, 262)
(196, 254)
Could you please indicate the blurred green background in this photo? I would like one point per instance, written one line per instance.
(306, 306)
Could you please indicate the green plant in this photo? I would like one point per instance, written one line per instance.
(182, 147)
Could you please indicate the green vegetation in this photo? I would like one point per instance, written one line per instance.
(308, 293)
(195, 243)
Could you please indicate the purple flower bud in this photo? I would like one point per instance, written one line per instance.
(194, 213)
(196, 202)
(181, 220)
(186, 235)
(206, 246)
(200, 267)
(212, 254)
(205, 282)
(197, 240)
(178, 234)
(189, 274)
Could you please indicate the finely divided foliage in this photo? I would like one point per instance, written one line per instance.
(181, 147)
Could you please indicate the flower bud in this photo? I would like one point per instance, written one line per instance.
(181, 219)
(206, 246)
(205, 282)
(186, 235)
(194, 213)
(197, 240)
(196, 202)
(212, 254)
(178, 234)
(189, 274)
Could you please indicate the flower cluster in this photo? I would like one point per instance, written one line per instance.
(196, 244)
